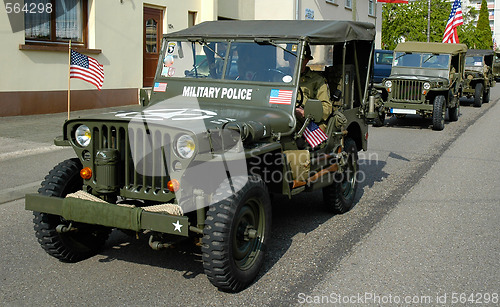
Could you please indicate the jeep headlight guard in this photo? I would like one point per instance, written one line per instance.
(185, 146)
(83, 135)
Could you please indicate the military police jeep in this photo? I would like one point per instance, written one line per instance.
(425, 79)
(478, 75)
(216, 136)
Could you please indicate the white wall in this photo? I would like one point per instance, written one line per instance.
(114, 27)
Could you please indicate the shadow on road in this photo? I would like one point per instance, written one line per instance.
(291, 217)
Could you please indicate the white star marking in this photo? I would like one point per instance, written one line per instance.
(177, 226)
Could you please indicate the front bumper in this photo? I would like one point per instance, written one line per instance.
(107, 214)
(407, 108)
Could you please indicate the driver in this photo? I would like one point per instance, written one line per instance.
(313, 86)
(247, 68)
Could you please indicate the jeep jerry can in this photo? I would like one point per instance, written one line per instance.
(203, 152)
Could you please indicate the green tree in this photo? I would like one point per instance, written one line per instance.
(483, 30)
(467, 31)
(408, 22)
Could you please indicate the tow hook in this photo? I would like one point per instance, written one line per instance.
(157, 245)
(65, 228)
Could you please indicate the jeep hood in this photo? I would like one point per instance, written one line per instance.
(197, 117)
(417, 78)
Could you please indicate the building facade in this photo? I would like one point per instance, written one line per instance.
(124, 36)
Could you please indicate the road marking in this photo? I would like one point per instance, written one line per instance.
(29, 152)
(11, 194)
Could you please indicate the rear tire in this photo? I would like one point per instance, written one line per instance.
(379, 120)
(236, 233)
(75, 245)
(339, 196)
(438, 113)
(478, 93)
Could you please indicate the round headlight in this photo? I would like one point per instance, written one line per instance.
(185, 146)
(427, 85)
(388, 83)
(83, 135)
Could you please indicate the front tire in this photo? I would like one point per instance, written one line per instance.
(71, 246)
(486, 96)
(339, 196)
(478, 95)
(236, 233)
(438, 113)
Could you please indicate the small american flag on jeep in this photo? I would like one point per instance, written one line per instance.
(314, 135)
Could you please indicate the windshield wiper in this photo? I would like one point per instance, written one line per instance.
(269, 42)
(432, 55)
(203, 43)
(402, 55)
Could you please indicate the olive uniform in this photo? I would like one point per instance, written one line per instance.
(314, 86)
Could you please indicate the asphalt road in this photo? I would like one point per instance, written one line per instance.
(425, 226)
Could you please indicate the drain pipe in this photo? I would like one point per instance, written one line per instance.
(297, 10)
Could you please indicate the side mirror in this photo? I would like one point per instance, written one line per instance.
(337, 95)
(143, 97)
(314, 108)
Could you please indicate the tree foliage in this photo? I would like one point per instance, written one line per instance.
(483, 30)
(467, 31)
(408, 22)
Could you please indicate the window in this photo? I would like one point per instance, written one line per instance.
(191, 18)
(348, 4)
(331, 1)
(60, 21)
(372, 8)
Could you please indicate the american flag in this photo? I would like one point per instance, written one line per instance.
(281, 96)
(455, 19)
(86, 68)
(160, 87)
(314, 135)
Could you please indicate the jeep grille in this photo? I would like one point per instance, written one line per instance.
(148, 175)
(407, 91)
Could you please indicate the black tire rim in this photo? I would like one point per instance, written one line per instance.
(248, 233)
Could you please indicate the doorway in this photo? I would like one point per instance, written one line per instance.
(153, 20)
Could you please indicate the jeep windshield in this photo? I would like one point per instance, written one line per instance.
(474, 61)
(225, 60)
(421, 60)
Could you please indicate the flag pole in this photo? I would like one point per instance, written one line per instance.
(69, 77)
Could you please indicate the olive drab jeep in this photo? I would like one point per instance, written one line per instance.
(478, 75)
(426, 79)
(201, 155)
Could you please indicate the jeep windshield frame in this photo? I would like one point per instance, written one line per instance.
(234, 60)
(474, 63)
(422, 64)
